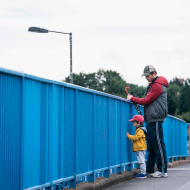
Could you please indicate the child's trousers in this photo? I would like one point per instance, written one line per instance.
(141, 161)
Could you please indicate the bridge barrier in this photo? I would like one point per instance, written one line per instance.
(57, 134)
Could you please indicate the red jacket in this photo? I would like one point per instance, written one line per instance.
(155, 91)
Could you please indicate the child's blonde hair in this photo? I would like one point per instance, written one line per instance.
(141, 123)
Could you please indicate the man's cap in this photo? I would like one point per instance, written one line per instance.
(148, 69)
(137, 118)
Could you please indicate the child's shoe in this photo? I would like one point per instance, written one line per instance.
(141, 176)
(159, 174)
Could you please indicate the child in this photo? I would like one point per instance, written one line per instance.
(139, 143)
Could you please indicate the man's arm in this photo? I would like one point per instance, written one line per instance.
(154, 92)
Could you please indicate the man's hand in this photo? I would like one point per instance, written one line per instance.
(127, 134)
(129, 97)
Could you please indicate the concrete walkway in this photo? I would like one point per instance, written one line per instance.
(178, 179)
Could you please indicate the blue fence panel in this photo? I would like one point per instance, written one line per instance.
(181, 144)
(69, 133)
(53, 132)
(114, 132)
(124, 128)
(165, 128)
(84, 132)
(187, 150)
(173, 136)
(134, 157)
(184, 136)
(176, 139)
(129, 129)
(31, 133)
(167, 136)
(10, 131)
(184, 140)
(101, 132)
(44, 134)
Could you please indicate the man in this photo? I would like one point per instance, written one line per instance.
(155, 111)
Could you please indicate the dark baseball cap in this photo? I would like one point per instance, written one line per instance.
(148, 69)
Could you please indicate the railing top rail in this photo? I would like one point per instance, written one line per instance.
(176, 118)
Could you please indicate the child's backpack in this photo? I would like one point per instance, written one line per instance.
(145, 132)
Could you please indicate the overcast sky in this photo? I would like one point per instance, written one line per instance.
(121, 35)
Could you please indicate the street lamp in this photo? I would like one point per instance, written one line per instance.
(42, 30)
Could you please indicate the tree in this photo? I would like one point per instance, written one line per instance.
(108, 81)
(176, 81)
(137, 91)
(184, 116)
(86, 80)
(113, 82)
(173, 92)
(78, 79)
(184, 100)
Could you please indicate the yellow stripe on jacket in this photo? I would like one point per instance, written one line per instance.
(139, 142)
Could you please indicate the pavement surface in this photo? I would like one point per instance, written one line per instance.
(178, 179)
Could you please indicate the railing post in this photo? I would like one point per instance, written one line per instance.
(62, 140)
(91, 176)
(23, 127)
(129, 151)
(185, 135)
(107, 172)
(49, 142)
(119, 169)
(73, 181)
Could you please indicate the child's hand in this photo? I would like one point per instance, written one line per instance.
(127, 134)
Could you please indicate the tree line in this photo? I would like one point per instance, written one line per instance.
(112, 82)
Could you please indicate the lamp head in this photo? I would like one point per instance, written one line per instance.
(38, 30)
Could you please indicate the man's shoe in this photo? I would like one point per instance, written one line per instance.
(141, 176)
(159, 174)
(165, 174)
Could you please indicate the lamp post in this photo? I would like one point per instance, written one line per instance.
(42, 30)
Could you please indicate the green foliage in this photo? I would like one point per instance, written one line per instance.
(137, 91)
(86, 80)
(179, 99)
(184, 101)
(113, 82)
(173, 92)
(176, 81)
(184, 116)
(109, 81)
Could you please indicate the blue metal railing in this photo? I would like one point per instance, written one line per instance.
(188, 142)
(54, 133)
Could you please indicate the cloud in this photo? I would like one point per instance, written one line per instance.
(37, 10)
(27, 13)
(174, 29)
